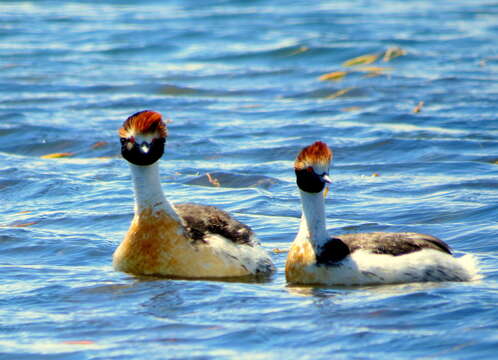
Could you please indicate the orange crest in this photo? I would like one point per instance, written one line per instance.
(144, 122)
(316, 153)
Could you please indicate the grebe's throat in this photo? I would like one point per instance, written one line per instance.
(148, 191)
(313, 223)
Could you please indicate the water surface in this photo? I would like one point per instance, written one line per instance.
(240, 83)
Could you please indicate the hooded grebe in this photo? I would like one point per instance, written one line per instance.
(186, 240)
(357, 259)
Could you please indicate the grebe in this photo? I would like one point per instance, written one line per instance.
(186, 240)
(360, 259)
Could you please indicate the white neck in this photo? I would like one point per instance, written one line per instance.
(148, 191)
(313, 226)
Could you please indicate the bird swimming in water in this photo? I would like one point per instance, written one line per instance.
(184, 240)
(315, 257)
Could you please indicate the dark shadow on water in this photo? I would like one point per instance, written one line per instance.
(230, 180)
(249, 279)
(384, 289)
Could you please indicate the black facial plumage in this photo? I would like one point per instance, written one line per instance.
(309, 181)
(138, 157)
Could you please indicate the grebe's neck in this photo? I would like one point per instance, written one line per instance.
(148, 191)
(313, 226)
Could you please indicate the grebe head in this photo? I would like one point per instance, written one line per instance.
(312, 167)
(143, 136)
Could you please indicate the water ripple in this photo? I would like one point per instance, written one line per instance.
(414, 143)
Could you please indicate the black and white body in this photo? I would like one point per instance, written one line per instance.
(315, 257)
(186, 240)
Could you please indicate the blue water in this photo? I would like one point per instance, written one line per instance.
(239, 82)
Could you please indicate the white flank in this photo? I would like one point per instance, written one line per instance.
(254, 258)
(364, 268)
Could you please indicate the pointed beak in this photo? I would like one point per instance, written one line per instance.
(326, 179)
(145, 147)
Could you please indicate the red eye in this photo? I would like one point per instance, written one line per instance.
(309, 169)
(132, 139)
